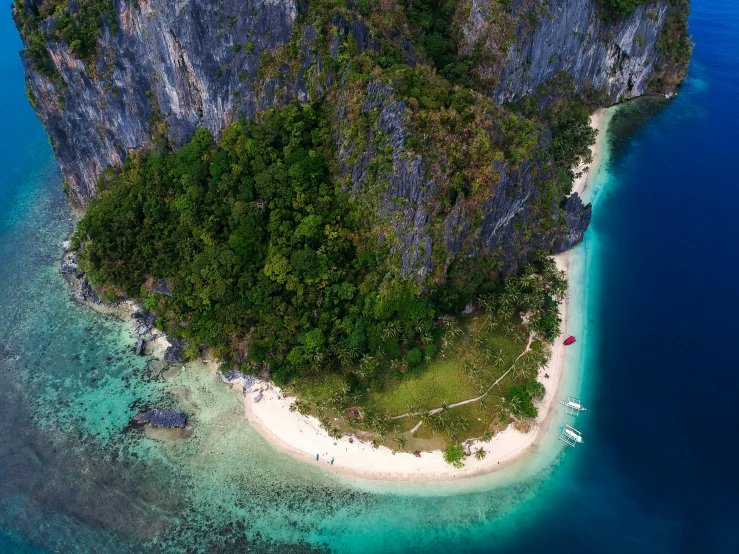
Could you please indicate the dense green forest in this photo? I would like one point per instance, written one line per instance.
(257, 244)
(259, 247)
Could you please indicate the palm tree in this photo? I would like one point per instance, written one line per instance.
(508, 328)
(450, 323)
(360, 372)
(504, 302)
(402, 442)
(520, 370)
(480, 454)
(499, 358)
(509, 407)
(390, 331)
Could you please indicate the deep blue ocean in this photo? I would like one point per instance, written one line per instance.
(657, 473)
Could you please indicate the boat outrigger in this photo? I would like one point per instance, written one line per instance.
(569, 340)
(572, 406)
(570, 435)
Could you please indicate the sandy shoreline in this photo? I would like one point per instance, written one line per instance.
(302, 436)
(597, 121)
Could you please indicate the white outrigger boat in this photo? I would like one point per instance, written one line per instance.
(570, 435)
(572, 406)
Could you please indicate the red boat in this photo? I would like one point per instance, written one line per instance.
(569, 340)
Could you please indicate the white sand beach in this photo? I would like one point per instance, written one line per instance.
(599, 120)
(302, 436)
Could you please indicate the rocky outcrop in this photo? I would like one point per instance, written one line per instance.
(145, 322)
(577, 219)
(140, 347)
(167, 69)
(406, 212)
(166, 419)
(175, 352)
(170, 68)
(539, 38)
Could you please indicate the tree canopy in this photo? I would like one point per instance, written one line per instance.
(257, 246)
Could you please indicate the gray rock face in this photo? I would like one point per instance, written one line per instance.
(406, 205)
(569, 35)
(173, 67)
(403, 205)
(186, 64)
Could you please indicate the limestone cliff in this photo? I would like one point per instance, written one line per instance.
(536, 39)
(160, 70)
(183, 64)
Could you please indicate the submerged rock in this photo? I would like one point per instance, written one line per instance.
(165, 419)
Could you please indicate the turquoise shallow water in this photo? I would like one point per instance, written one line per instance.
(71, 479)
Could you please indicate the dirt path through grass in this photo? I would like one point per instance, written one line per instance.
(470, 400)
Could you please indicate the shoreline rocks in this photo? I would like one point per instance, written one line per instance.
(140, 347)
(175, 351)
(144, 321)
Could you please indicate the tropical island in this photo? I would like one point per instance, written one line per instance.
(355, 201)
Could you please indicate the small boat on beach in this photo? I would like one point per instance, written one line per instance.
(570, 435)
(569, 340)
(573, 406)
